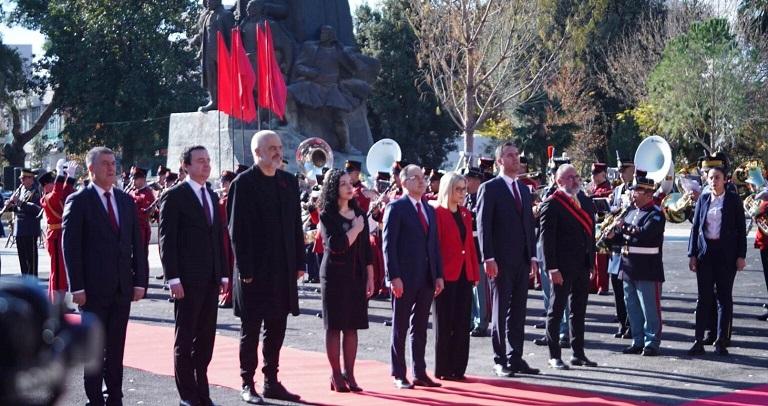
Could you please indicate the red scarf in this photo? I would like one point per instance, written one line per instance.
(577, 212)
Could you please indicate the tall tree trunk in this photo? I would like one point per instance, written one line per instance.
(14, 151)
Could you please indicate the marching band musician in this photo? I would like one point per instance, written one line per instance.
(600, 187)
(525, 177)
(640, 234)
(225, 300)
(53, 204)
(353, 169)
(434, 184)
(143, 197)
(620, 199)
(162, 173)
(481, 306)
(26, 230)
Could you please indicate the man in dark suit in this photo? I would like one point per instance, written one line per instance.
(106, 265)
(268, 242)
(191, 251)
(414, 269)
(505, 227)
(568, 237)
(26, 229)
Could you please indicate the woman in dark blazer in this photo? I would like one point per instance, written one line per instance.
(346, 275)
(452, 308)
(717, 249)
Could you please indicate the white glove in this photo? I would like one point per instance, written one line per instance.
(61, 165)
(71, 168)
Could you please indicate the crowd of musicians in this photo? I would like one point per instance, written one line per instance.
(463, 246)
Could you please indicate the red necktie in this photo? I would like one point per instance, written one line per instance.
(206, 207)
(422, 219)
(518, 205)
(111, 213)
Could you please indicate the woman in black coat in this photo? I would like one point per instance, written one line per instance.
(717, 249)
(346, 275)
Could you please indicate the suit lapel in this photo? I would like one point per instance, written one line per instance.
(96, 201)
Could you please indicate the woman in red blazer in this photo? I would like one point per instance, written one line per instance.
(453, 307)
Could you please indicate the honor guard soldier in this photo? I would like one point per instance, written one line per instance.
(434, 184)
(600, 187)
(353, 169)
(25, 203)
(621, 200)
(640, 234)
(144, 198)
(55, 192)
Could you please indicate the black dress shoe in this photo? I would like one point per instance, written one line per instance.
(632, 349)
(620, 333)
(627, 334)
(541, 325)
(763, 317)
(479, 332)
(542, 342)
(402, 383)
(557, 363)
(582, 361)
(503, 371)
(276, 390)
(697, 349)
(650, 352)
(565, 343)
(249, 395)
(524, 368)
(709, 339)
(720, 348)
(426, 382)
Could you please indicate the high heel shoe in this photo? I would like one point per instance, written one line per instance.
(351, 383)
(339, 385)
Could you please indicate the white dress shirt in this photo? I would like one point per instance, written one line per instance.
(112, 199)
(414, 202)
(714, 217)
(514, 188)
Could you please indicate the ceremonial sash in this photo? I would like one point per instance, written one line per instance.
(578, 213)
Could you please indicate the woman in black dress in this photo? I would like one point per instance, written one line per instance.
(346, 275)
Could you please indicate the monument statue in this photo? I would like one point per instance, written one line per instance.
(215, 19)
(325, 79)
(268, 12)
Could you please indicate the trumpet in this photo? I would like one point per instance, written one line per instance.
(605, 228)
(16, 194)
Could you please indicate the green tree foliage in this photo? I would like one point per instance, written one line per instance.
(119, 68)
(11, 73)
(401, 106)
(702, 90)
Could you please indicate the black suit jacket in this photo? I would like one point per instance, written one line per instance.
(251, 242)
(733, 231)
(498, 232)
(27, 220)
(407, 249)
(190, 249)
(567, 247)
(99, 260)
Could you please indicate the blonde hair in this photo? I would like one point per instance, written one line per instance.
(447, 183)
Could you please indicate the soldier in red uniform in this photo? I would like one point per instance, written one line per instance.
(225, 300)
(143, 197)
(525, 176)
(54, 195)
(600, 187)
(434, 184)
(353, 169)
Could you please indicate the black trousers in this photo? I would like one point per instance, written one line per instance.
(274, 334)
(714, 278)
(195, 317)
(510, 297)
(113, 314)
(452, 309)
(26, 246)
(574, 289)
(411, 310)
(764, 259)
(618, 296)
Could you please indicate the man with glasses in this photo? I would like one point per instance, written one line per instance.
(505, 226)
(414, 269)
(640, 234)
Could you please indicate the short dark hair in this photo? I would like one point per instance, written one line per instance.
(186, 156)
(501, 147)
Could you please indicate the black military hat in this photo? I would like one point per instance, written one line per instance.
(472, 172)
(486, 164)
(240, 169)
(642, 181)
(598, 167)
(716, 160)
(523, 160)
(556, 162)
(319, 178)
(171, 177)
(383, 176)
(624, 162)
(435, 176)
(162, 170)
(139, 173)
(353, 166)
(46, 178)
(26, 172)
(227, 176)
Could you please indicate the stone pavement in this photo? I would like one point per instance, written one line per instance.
(673, 378)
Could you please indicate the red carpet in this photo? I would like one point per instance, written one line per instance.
(150, 348)
(752, 396)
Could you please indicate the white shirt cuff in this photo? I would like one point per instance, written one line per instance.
(534, 259)
(79, 291)
(225, 280)
(490, 259)
(554, 271)
(174, 281)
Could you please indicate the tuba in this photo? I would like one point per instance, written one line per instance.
(655, 156)
(753, 175)
(382, 155)
(312, 155)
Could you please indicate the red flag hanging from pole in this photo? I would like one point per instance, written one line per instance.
(244, 79)
(271, 85)
(224, 95)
